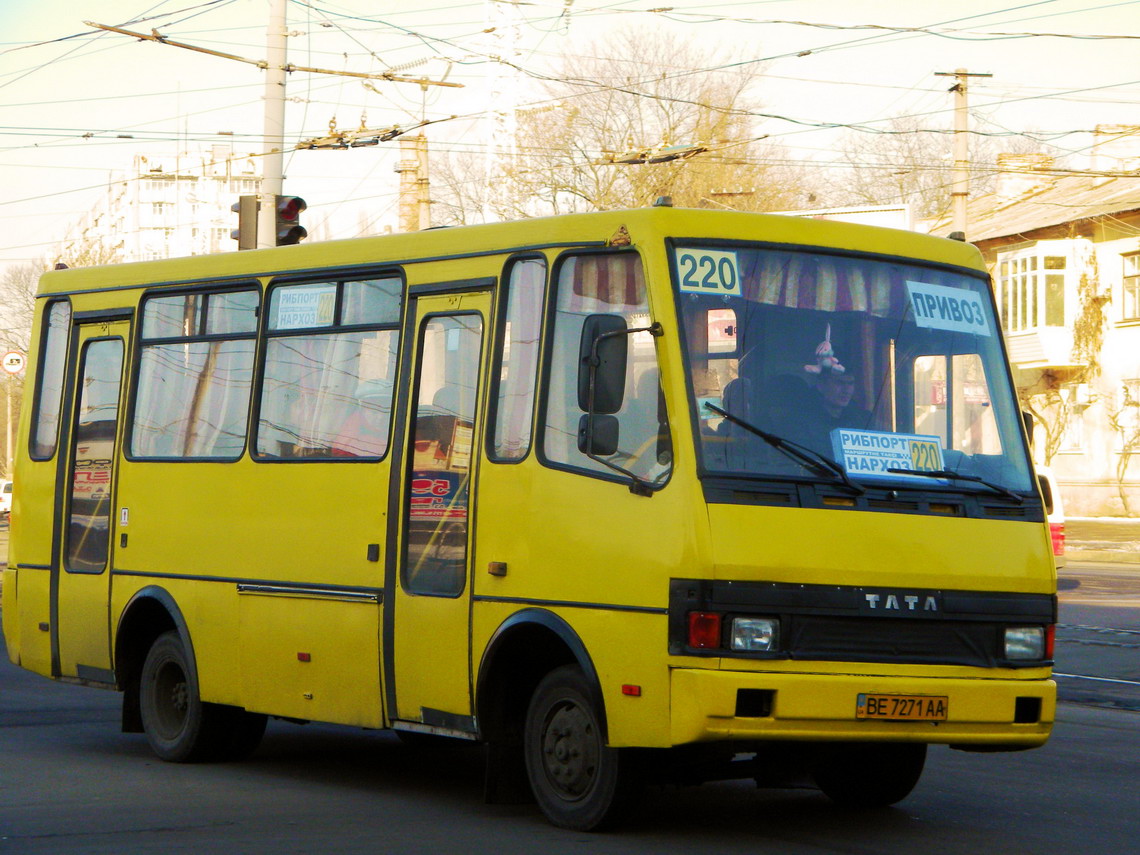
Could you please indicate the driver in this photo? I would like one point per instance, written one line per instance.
(833, 403)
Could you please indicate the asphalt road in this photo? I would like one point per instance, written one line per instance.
(1098, 635)
(71, 784)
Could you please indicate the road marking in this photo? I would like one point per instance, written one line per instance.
(1098, 679)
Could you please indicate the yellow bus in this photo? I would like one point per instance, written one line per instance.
(629, 496)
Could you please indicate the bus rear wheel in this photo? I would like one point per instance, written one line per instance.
(578, 782)
(178, 725)
(868, 775)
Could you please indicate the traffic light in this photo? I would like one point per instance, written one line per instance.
(246, 232)
(289, 229)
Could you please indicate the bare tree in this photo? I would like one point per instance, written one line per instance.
(632, 121)
(17, 310)
(1051, 411)
(901, 164)
(88, 251)
(1125, 422)
(17, 304)
(910, 161)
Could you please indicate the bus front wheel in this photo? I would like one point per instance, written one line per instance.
(178, 725)
(578, 782)
(868, 775)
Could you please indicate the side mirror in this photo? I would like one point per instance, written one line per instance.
(602, 357)
(597, 435)
(1027, 420)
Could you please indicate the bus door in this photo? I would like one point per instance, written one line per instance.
(85, 511)
(427, 635)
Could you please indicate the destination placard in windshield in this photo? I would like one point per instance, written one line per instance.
(869, 452)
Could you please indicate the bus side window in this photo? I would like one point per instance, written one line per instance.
(96, 424)
(327, 391)
(436, 498)
(195, 374)
(952, 402)
(513, 395)
(608, 284)
(49, 397)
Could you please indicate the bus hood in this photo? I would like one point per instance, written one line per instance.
(847, 547)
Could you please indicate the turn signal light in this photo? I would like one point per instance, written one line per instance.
(1057, 534)
(704, 630)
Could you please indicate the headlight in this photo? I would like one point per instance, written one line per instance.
(1025, 642)
(754, 634)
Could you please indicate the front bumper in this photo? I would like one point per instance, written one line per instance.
(711, 705)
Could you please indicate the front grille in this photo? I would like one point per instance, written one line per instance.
(847, 623)
(893, 640)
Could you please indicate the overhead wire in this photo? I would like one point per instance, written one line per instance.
(685, 16)
(806, 123)
(866, 127)
(811, 124)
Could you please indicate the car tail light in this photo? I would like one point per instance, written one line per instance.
(1057, 533)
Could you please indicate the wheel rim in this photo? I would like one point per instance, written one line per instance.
(570, 750)
(171, 699)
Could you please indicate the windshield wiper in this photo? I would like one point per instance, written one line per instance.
(946, 473)
(809, 458)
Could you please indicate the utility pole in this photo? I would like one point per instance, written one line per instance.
(961, 192)
(503, 29)
(415, 195)
(423, 185)
(272, 179)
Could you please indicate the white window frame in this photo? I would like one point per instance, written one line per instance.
(1130, 287)
(1022, 278)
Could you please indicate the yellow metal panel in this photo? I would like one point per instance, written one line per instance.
(33, 501)
(311, 658)
(590, 541)
(813, 546)
(244, 520)
(84, 632)
(309, 524)
(431, 660)
(27, 612)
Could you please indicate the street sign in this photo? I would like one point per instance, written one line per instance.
(13, 362)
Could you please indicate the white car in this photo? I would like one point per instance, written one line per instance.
(1054, 511)
(5, 498)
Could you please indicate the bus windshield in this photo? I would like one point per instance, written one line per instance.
(892, 370)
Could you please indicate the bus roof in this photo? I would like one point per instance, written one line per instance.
(592, 229)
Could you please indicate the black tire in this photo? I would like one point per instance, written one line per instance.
(178, 725)
(578, 782)
(868, 775)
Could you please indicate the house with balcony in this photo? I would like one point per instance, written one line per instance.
(1063, 247)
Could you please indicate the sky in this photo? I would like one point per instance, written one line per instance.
(77, 103)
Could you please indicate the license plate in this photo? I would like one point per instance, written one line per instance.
(902, 707)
